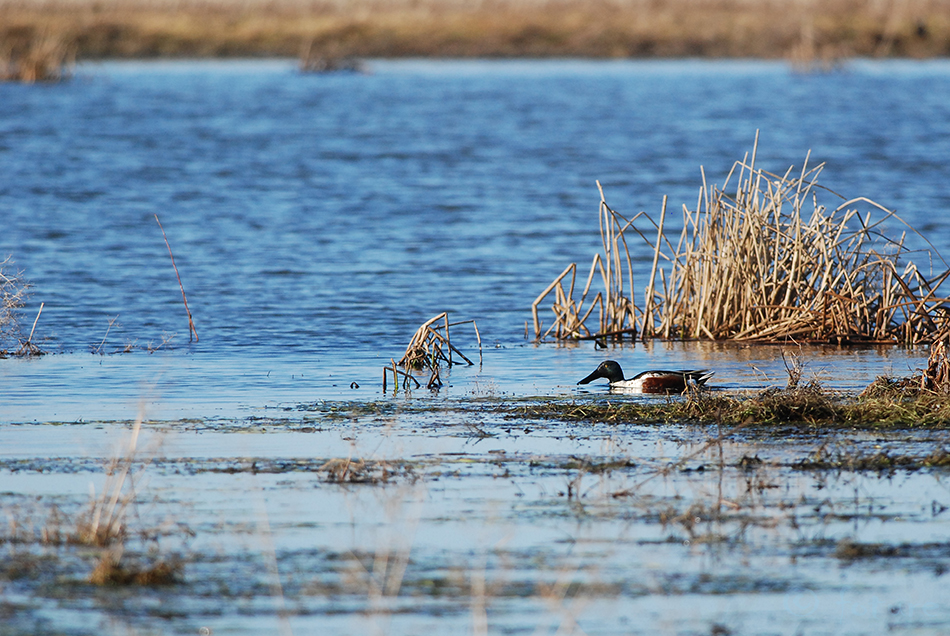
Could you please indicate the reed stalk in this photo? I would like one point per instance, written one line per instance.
(28, 348)
(191, 323)
(617, 310)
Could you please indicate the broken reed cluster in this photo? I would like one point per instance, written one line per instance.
(766, 262)
(430, 347)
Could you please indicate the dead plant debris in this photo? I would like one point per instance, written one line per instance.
(360, 471)
(14, 292)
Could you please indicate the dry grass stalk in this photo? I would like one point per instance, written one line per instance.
(191, 323)
(327, 60)
(430, 347)
(810, 53)
(104, 524)
(617, 311)
(27, 348)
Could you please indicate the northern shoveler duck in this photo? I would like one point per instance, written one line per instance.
(648, 381)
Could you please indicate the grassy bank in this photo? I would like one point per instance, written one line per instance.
(804, 31)
(781, 412)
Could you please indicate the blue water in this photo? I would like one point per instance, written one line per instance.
(317, 220)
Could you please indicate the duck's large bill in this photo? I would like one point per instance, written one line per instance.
(593, 376)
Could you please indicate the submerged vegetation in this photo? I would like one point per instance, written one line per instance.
(781, 412)
(765, 263)
(918, 401)
(461, 533)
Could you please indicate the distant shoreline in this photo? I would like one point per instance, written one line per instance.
(328, 31)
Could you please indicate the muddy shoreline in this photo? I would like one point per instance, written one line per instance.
(472, 515)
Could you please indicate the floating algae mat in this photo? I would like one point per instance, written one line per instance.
(396, 518)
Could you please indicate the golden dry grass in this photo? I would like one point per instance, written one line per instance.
(765, 261)
(806, 32)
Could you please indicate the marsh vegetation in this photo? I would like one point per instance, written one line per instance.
(761, 260)
(39, 56)
(40, 38)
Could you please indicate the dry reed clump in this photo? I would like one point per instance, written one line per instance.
(111, 569)
(770, 263)
(430, 347)
(104, 524)
(14, 290)
(933, 380)
(936, 377)
(44, 57)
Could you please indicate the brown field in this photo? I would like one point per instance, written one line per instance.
(804, 30)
